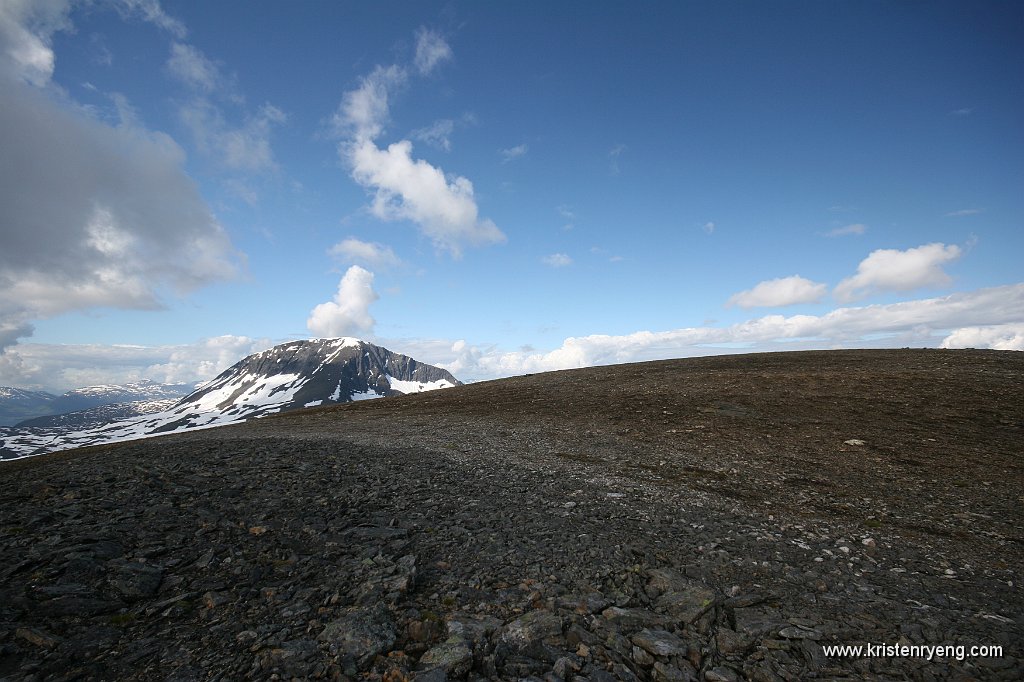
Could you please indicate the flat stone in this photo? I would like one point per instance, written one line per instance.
(756, 622)
(474, 629)
(660, 643)
(632, 618)
(668, 673)
(362, 634)
(721, 674)
(455, 657)
(39, 638)
(731, 642)
(530, 629)
(797, 632)
(292, 658)
(687, 604)
(135, 581)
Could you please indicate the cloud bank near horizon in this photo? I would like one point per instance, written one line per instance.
(988, 318)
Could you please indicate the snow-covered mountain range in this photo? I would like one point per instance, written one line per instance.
(18, 405)
(289, 376)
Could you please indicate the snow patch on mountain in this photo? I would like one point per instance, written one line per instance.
(290, 376)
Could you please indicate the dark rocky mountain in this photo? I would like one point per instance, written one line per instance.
(287, 377)
(315, 372)
(712, 519)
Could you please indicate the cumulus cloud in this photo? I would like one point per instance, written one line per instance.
(431, 50)
(774, 293)
(369, 253)
(96, 215)
(403, 188)
(996, 337)
(846, 230)
(513, 152)
(365, 111)
(412, 189)
(557, 260)
(26, 38)
(92, 214)
(894, 270)
(58, 368)
(963, 212)
(348, 314)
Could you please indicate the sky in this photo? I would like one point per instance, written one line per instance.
(503, 188)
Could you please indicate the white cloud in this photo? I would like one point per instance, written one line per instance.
(364, 112)
(709, 227)
(557, 260)
(894, 270)
(855, 228)
(966, 111)
(779, 292)
(152, 12)
(191, 67)
(243, 148)
(431, 50)
(998, 311)
(58, 368)
(348, 314)
(95, 215)
(444, 208)
(513, 152)
(963, 212)
(239, 146)
(26, 38)
(370, 253)
(997, 337)
(438, 134)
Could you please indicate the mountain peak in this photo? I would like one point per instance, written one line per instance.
(289, 376)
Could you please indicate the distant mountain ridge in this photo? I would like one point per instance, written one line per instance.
(289, 376)
(98, 416)
(18, 405)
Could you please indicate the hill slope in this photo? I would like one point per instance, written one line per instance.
(715, 518)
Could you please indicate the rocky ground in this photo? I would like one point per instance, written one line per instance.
(712, 519)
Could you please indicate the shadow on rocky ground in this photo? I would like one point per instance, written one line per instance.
(706, 519)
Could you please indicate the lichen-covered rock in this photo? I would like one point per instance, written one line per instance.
(361, 633)
(454, 656)
(531, 629)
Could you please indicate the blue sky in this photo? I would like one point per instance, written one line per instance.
(503, 187)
